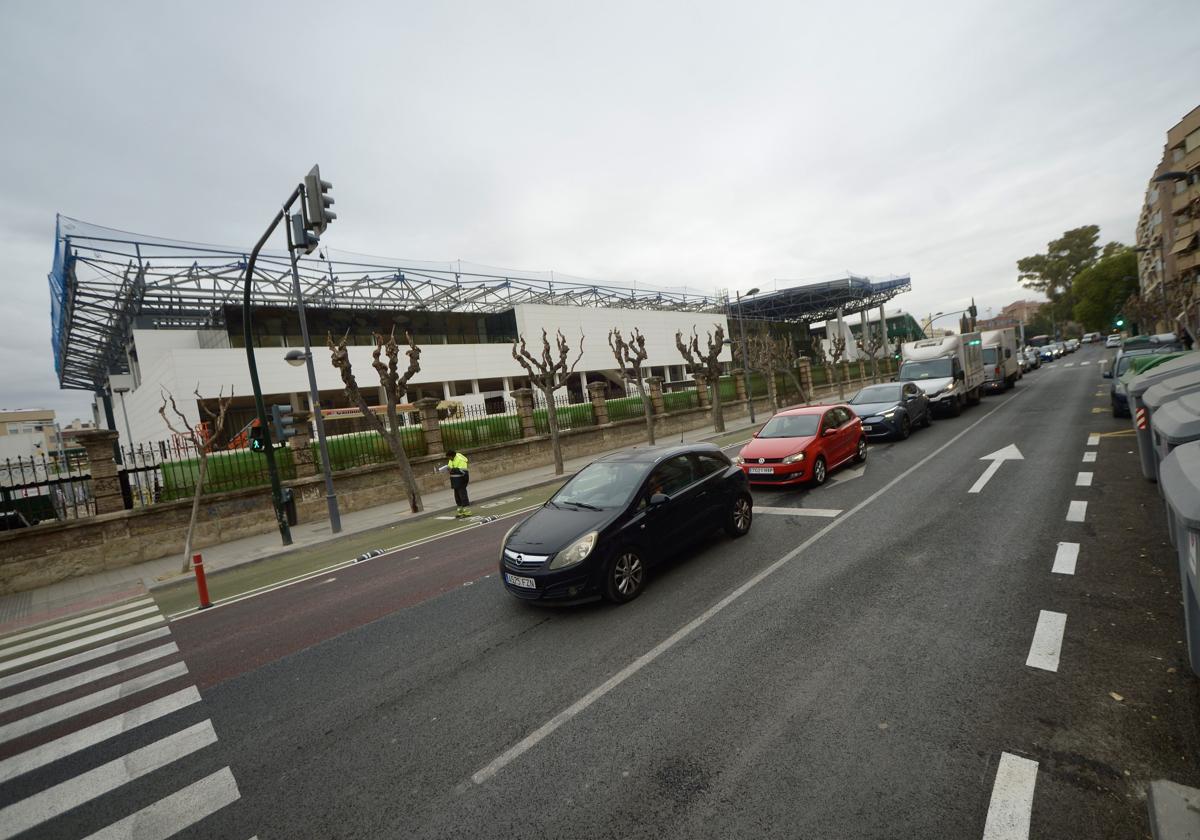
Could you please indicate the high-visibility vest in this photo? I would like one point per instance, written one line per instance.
(457, 464)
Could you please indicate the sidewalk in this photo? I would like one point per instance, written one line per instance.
(93, 591)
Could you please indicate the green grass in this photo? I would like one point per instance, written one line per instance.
(364, 448)
(625, 408)
(680, 400)
(569, 417)
(480, 431)
(226, 471)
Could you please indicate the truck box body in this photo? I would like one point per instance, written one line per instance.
(948, 369)
(1000, 365)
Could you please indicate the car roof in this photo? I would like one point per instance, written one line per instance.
(654, 454)
(807, 409)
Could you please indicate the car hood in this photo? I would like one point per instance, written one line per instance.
(932, 386)
(871, 409)
(551, 529)
(774, 447)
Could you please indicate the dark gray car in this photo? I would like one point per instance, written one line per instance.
(892, 409)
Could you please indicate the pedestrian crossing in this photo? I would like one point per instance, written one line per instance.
(93, 707)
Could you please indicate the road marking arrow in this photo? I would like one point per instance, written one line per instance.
(1008, 453)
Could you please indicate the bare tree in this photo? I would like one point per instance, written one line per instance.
(630, 355)
(871, 344)
(201, 436)
(706, 362)
(394, 385)
(548, 373)
(837, 353)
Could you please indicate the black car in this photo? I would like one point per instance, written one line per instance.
(893, 409)
(618, 516)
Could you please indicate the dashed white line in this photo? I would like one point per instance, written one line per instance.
(1083, 479)
(1012, 799)
(823, 513)
(89, 736)
(71, 622)
(89, 701)
(79, 658)
(1093, 440)
(1047, 641)
(1065, 558)
(1089, 457)
(49, 803)
(1077, 512)
(172, 814)
(75, 631)
(15, 701)
(1081, 364)
(75, 644)
(1069, 364)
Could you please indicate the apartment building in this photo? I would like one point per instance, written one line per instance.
(27, 433)
(1168, 230)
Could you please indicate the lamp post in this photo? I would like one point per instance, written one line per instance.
(137, 480)
(305, 357)
(745, 354)
(935, 316)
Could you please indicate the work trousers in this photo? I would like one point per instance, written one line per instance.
(459, 483)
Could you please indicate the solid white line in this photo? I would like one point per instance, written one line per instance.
(1077, 512)
(50, 653)
(1093, 440)
(983, 479)
(824, 513)
(545, 730)
(1089, 457)
(174, 813)
(16, 701)
(85, 787)
(1084, 479)
(263, 590)
(1047, 641)
(81, 619)
(79, 658)
(1065, 558)
(89, 736)
(1012, 799)
(90, 701)
(76, 631)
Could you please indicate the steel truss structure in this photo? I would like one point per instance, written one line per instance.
(103, 281)
(814, 302)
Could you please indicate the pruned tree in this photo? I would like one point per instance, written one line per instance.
(202, 436)
(394, 385)
(836, 353)
(630, 355)
(763, 351)
(548, 372)
(871, 344)
(706, 362)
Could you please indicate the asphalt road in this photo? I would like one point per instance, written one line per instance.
(851, 677)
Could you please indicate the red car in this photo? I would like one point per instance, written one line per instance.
(803, 445)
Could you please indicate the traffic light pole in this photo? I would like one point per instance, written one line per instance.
(335, 516)
(285, 532)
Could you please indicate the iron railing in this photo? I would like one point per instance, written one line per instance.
(40, 488)
(480, 425)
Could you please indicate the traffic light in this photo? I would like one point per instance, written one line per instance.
(973, 311)
(1120, 322)
(303, 239)
(258, 438)
(283, 422)
(318, 201)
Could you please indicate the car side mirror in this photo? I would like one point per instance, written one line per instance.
(960, 376)
(1107, 374)
(829, 432)
(657, 499)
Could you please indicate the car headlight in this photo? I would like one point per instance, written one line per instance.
(576, 552)
(794, 458)
(739, 460)
(890, 413)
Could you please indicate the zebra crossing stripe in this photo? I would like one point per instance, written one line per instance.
(76, 631)
(80, 658)
(75, 644)
(16, 701)
(71, 622)
(174, 813)
(53, 801)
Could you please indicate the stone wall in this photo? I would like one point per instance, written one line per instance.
(52, 552)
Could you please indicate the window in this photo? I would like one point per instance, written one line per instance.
(830, 421)
(911, 391)
(709, 463)
(671, 475)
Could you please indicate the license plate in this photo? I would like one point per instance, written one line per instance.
(523, 582)
(762, 470)
(867, 428)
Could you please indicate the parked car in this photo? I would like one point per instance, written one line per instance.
(1072, 344)
(1113, 340)
(804, 445)
(1047, 353)
(893, 409)
(604, 529)
(1088, 338)
(1033, 357)
(1140, 345)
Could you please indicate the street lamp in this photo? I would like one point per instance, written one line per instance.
(745, 354)
(137, 479)
(296, 358)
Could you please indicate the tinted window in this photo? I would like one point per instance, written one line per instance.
(708, 463)
(990, 355)
(877, 394)
(933, 369)
(793, 425)
(672, 475)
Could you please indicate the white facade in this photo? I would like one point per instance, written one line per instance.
(180, 362)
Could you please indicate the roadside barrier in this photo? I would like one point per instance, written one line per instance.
(201, 581)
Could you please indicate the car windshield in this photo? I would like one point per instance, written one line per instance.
(990, 355)
(933, 369)
(603, 484)
(791, 425)
(877, 394)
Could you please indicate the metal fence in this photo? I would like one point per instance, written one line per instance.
(570, 415)
(681, 400)
(477, 425)
(40, 488)
(360, 449)
(168, 470)
(625, 408)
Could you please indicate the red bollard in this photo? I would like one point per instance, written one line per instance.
(201, 583)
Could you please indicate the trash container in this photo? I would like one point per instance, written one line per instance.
(289, 505)
(1175, 423)
(1136, 390)
(1179, 478)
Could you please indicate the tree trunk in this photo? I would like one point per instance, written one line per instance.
(396, 443)
(191, 530)
(552, 422)
(718, 419)
(772, 390)
(803, 397)
(649, 410)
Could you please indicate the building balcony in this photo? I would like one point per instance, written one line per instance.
(1182, 199)
(1186, 261)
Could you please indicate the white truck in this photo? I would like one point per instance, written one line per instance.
(949, 369)
(1001, 367)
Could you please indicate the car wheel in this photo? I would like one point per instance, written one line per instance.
(860, 453)
(956, 407)
(927, 418)
(741, 515)
(905, 428)
(819, 471)
(626, 577)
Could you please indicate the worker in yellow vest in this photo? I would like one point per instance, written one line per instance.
(460, 476)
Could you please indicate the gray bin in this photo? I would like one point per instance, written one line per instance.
(1138, 386)
(1179, 477)
(1175, 423)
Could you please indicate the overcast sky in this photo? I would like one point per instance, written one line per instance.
(710, 145)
